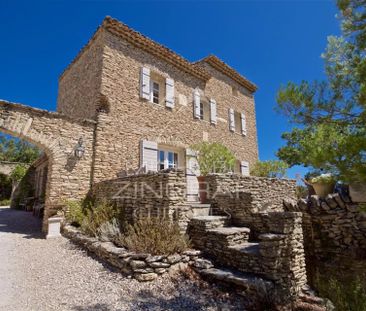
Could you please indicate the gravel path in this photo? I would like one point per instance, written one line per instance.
(39, 274)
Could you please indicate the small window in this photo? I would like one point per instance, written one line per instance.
(155, 92)
(167, 159)
(237, 118)
(204, 111)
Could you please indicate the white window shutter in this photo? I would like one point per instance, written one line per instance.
(244, 168)
(213, 112)
(149, 155)
(192, 171)
(231, 120)
(169, 89)
(145, 83)
(196, 103)
(243, 125)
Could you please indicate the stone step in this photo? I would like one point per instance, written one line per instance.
(210, 222)
(229, 236)
(245, 281)
(247, 248)
(200, 209)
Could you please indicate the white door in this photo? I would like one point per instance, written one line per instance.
(192, 171)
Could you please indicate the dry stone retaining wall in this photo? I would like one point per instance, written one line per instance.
(152, 194)
(335, 235)
(241, 195)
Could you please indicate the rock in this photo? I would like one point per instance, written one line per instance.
(142, 271)
(159, 264)
(154, 258)
(185, 259)
(192, 252)
(137, 264)
(174, 269)
(173, 258)
(202, 264)
(160, 270)
(145, 277)
(140, 256)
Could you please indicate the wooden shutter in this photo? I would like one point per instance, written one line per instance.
(169, 89)
(213, 112)
(149, 155)
(192, 171)
(243, 125)
(244, 168)
(231, 120)
(145, 83)
(196, 104)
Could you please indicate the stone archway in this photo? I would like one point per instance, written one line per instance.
(56, 135)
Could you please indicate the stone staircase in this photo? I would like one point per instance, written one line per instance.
(246, 259)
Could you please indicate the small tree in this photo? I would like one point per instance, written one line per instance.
(214, 158)
(270, 168)
(17, 175)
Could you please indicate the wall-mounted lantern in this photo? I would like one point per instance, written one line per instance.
(79, 149)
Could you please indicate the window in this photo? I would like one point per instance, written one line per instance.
(155, 92)
(237, 118)
(204, 111)
(167, 159)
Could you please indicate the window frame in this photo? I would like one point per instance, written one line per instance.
(166, 162)
(152, 90)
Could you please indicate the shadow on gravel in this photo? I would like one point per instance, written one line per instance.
(20, 222)
(96, 307)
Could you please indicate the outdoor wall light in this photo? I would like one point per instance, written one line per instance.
(79, 149)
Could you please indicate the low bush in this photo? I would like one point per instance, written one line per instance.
(5, 202)
(96, 216)
(346, 295)
(110, 231)
(74, 212)
(154, 236)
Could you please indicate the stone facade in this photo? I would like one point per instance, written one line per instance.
(57, 136)
(124, 119)
(100, 101)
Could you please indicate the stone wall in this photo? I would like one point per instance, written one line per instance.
(154, 194)
(126, 119)
(242, 195)
(335, 236)
(278, 255)
(56, 135)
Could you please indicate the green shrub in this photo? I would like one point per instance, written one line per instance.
(74, 212)
(346, 295)
(5, 202)
(270, 169)
(110, 231)
(96, 216)
(154, 236)
(214, 158)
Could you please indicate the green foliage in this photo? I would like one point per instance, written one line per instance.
(270, 168)
(110, 231)
(330, 116)
(74, 212)
(154, 236)
(5, 187)
(214, 158)
(88, 216)
(5, 202)
(19, 172)
(97, 216)
(323, 179)
(15, 150)
(301, 192)
(346, 295)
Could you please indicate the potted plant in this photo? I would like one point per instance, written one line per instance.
(212, 158)
(323, 184)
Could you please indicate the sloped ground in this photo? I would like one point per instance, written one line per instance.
(39, 274)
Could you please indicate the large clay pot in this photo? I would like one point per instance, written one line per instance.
(357, 192)
(322, 190)
(202, 189)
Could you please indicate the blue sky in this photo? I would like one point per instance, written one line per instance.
(269, 42)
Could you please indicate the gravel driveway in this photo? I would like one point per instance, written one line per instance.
(39, 274)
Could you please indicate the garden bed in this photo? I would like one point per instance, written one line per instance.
(141, 266)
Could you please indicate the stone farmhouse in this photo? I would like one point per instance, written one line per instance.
(128, 103)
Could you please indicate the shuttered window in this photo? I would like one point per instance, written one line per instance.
(244, 168)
